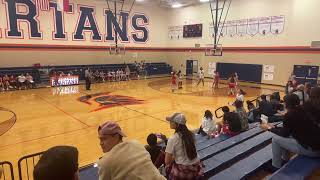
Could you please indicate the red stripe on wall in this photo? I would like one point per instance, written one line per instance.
(267, 49)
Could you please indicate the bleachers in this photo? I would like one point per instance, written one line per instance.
(229, 156)
(247, 166)
(300, 167)
(17, 71)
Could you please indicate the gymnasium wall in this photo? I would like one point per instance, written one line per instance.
(283, 50)
(27, 49)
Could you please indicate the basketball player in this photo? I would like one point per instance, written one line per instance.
(216, 78)
(201, 76)
(87, 76)
(173, 81)
(179, 79)
(232, 85)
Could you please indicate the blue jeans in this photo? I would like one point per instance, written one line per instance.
(282, 146)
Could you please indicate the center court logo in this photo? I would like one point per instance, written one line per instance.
(105, 100)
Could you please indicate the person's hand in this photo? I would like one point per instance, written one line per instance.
(265, 126)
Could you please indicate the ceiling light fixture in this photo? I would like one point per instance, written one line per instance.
(204, 0)
(176, 5)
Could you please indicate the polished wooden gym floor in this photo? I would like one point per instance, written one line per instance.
(70, 115)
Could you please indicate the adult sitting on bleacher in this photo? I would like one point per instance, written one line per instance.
(125, 159)
(5, 81)
(181, 159)
(208, 125)
(231, 123)
(265, 107)
(301, 129)
(242, 115)
(21, 81)
(156, 151)
(303, 96)
(29, 81)
(58, 163)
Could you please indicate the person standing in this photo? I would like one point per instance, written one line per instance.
(201, 76)
(88, 78)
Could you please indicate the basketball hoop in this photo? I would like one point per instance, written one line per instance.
(213, 50)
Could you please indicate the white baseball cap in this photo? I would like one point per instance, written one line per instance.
(178, 118)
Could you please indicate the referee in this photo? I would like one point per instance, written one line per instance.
(88, 78)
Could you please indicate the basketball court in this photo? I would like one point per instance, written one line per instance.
(258, 40)
(51, 116)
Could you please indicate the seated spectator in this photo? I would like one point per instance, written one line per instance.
(242, 114)
(303, 96)
(300, 130)
(21, 81)
(125, 159)
(1, 84)
(208, 125)
(181, 159)
(156, 152)
(265, 107)
(289, 87)
(252, 114)
(307, 88)
(29, 81)
(6, 83)
(231, 122)
(59, 162)
(13, 82)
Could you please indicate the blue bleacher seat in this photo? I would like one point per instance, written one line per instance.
(298, 168)
(215, 163)
(247, 166)
(89, 173)
(210, 150)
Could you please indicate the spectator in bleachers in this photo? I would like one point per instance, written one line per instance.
(307, 88)
(181, 159)
(21, 81)
(289, 87)
(303, 96)
(125, 159)
(5, 81)
(156, 151)
(265, 107)
(240, 95)
(1, 84)
(29, 81)
(208, 125)
(231, 123)
(57, 163)
(300, 131)
(13, 82)
(242, 115)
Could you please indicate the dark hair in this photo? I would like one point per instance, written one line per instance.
(291, 101)
(208, 114)
(238, 104)
(59, 162)
(152, 140)
(225, 109)
(315, 97)
(242, 92)
(263, 97)
(188, 141)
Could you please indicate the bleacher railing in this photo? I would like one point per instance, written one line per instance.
(7, 171)
(26, 165)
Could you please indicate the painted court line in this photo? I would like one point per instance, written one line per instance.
(66, 113)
